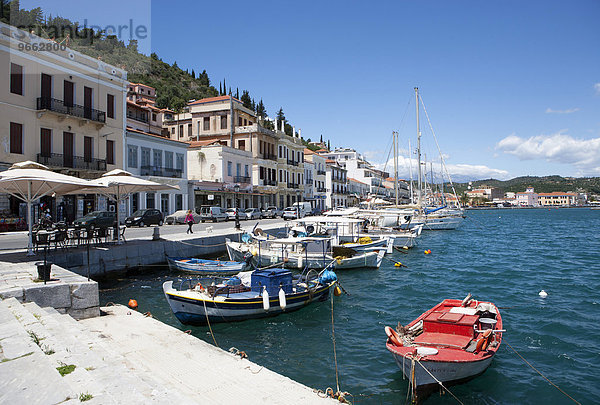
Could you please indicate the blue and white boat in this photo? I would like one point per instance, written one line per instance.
(205, 266)
(255, 294)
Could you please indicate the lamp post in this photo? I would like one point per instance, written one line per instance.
(236, 189)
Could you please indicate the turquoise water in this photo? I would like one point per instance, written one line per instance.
(504, 256)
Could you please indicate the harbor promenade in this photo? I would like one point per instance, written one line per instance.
(113, 354)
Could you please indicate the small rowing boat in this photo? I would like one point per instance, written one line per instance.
(205, 266)
(451, 343)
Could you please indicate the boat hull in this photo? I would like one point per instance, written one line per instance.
(194, 309)
(205, 267)
(442, 223)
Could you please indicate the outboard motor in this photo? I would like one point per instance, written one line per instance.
(248, 258)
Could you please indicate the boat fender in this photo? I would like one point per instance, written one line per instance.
(483, 341)
(132, 304)
(393, 336)
(337, 291)
(282, 301)
(265, 297)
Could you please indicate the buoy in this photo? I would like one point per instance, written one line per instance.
(282, 302)
(265, 297)
(397, 264)
(543, 294)
(132, 304)
(337, 291)
(428, 251)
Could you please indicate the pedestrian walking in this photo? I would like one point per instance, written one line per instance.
(189, 219)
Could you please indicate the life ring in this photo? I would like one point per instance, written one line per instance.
(393, 336)
(483, 341)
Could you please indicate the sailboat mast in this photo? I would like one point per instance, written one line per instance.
(394, 136)
(412, 197)
(418, 147)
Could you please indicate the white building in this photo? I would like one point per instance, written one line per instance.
(159, 159)
(528, 199)
(317, 194)
(336, 182)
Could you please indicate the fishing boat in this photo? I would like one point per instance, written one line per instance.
(205, 266)
(303, 252)
(256, 294)
(451, 343)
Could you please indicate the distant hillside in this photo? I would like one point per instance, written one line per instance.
(545, 184)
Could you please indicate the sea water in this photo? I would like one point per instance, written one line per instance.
(504, 256)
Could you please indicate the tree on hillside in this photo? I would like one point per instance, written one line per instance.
(220, 89)
(246, 100)
(237, 93)
(261, 110)
(193, 74)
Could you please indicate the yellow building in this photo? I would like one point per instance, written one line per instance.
(557, 198)
(59, 108)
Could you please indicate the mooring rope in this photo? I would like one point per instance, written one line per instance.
(542, 375)
(439, 382)
(208, 322)
(337, 380)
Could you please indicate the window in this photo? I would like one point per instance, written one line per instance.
(260, 146)
(180, 130)
(150, 200)
(110, 106)
(245, 122)
(46, 142)
(189, 127)
(16, 138)
(173, 130)
(179, 161)
(246, 171)
(157, 156)
(88, 143)
(224, 122)
(207, 123)
(153, 116)
(132, 159)
(239, 121)
(280, 154)
(110, 152)
(178, 202)
(238, 169)
(68, 93)
(229, 168)
(280, 175)
(242, 145)
(145, 157)
(168, 160)
(16, 79)
(261, 172)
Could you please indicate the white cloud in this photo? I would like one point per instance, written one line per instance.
(568, 111)
(458, 172)
(584, 154)
(597, 88)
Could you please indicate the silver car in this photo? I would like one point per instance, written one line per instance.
(178, 217)
(231, 214)
(253, 213)
(272, 212)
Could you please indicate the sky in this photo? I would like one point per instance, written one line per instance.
(511, 88)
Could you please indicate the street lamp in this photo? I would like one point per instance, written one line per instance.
(236, 189)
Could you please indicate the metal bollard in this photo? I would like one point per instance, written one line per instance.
(156, 234)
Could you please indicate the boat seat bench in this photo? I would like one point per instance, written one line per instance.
(443, 340)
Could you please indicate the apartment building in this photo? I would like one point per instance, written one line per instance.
(153, 155)
(557, 198)
(336, 182)
(214, 171)
(277, 171)
(528, 199)
(318, 189)
(62, 109)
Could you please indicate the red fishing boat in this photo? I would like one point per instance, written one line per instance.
(449, 344)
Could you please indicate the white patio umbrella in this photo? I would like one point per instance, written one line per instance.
(30, 181)
(119, 184)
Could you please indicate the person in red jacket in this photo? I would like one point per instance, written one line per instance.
(189, 219)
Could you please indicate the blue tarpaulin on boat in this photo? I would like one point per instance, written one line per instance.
(327, 276)
(430, 210)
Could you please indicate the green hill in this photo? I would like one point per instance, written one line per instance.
(545, 184)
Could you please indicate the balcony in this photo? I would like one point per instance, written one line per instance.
(292, 162)
(293, 185)
(241, 179)
(269, 182)
(268, 156)
(137, 117)
(161, 171)
(321, 190)
(309, 181)
(52, 104)
(74, 162)
(321, 172)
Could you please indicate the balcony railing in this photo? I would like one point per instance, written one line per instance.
(137, 117)
(269, 156)
(52, 104)
(241, 179)
(321, 190)
(292, 162)
(309, 181)
(321, 172)
(161, 171)
(269, 182)
(293, 185)
(74, 162)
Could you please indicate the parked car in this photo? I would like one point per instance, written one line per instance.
(290, 213)
(272, 212)
(253, 213)
(96, 219)
(212, 213)
(316, 211)
(145, 217)
(178, 217)
(231, 214)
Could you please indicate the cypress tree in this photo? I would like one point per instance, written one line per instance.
(220, 89)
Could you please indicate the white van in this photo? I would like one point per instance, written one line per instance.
(214, 213)
(304, 208)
